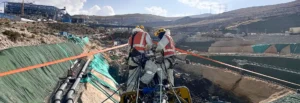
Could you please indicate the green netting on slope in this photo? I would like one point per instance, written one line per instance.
(295, 48)
(100, 65)
(75, 39)
(279, 47)
(35, 85)
(260, 48)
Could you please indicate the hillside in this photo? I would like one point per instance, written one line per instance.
(270, 25)
(201, 15)
(178, 21)
(128, 19)
(236, 17)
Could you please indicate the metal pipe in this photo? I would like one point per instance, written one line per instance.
(72, 90)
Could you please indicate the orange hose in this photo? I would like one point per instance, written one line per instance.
(57, 61)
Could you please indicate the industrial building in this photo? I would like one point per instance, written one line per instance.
(33, 11)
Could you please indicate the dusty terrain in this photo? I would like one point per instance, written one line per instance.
(36, 33)
(91, 94)
(24, 35)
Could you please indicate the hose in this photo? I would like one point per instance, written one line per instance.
(72, 90)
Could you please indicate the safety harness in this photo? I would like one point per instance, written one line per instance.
(135, 53)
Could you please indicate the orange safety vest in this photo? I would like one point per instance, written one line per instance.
(170, 47)
(139, 41)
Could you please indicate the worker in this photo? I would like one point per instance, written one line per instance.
(139, 43)
(166, 46)
(164, 67)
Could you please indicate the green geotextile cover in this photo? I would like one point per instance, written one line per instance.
(279, 47)
(100, 65)
(35, 85)
(260, 48)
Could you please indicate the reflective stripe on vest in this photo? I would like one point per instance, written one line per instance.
(170, 47)
(139, 41)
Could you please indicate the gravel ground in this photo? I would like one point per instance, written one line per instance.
(27, 40)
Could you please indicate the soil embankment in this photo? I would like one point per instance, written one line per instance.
(242, 86)
(91, 94)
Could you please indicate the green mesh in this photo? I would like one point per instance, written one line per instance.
(260, 48)
(35, 85)
(75, 39)
(100, 65)
(85, 40)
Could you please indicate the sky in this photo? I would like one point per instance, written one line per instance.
(168, 8)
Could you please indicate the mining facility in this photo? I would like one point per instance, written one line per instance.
(29, 9)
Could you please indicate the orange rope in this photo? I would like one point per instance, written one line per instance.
(120, 46)
(57, 61)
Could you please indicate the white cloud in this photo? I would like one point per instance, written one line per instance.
(107, 10)
(156, 10)
(215, 6)
(74, 6)
(96, 10)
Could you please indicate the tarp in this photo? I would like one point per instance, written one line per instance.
(35, 85)
(279, 47)
(100, 65)
(271, 49)
(260, 48)
(295, 48)
(72, 38)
